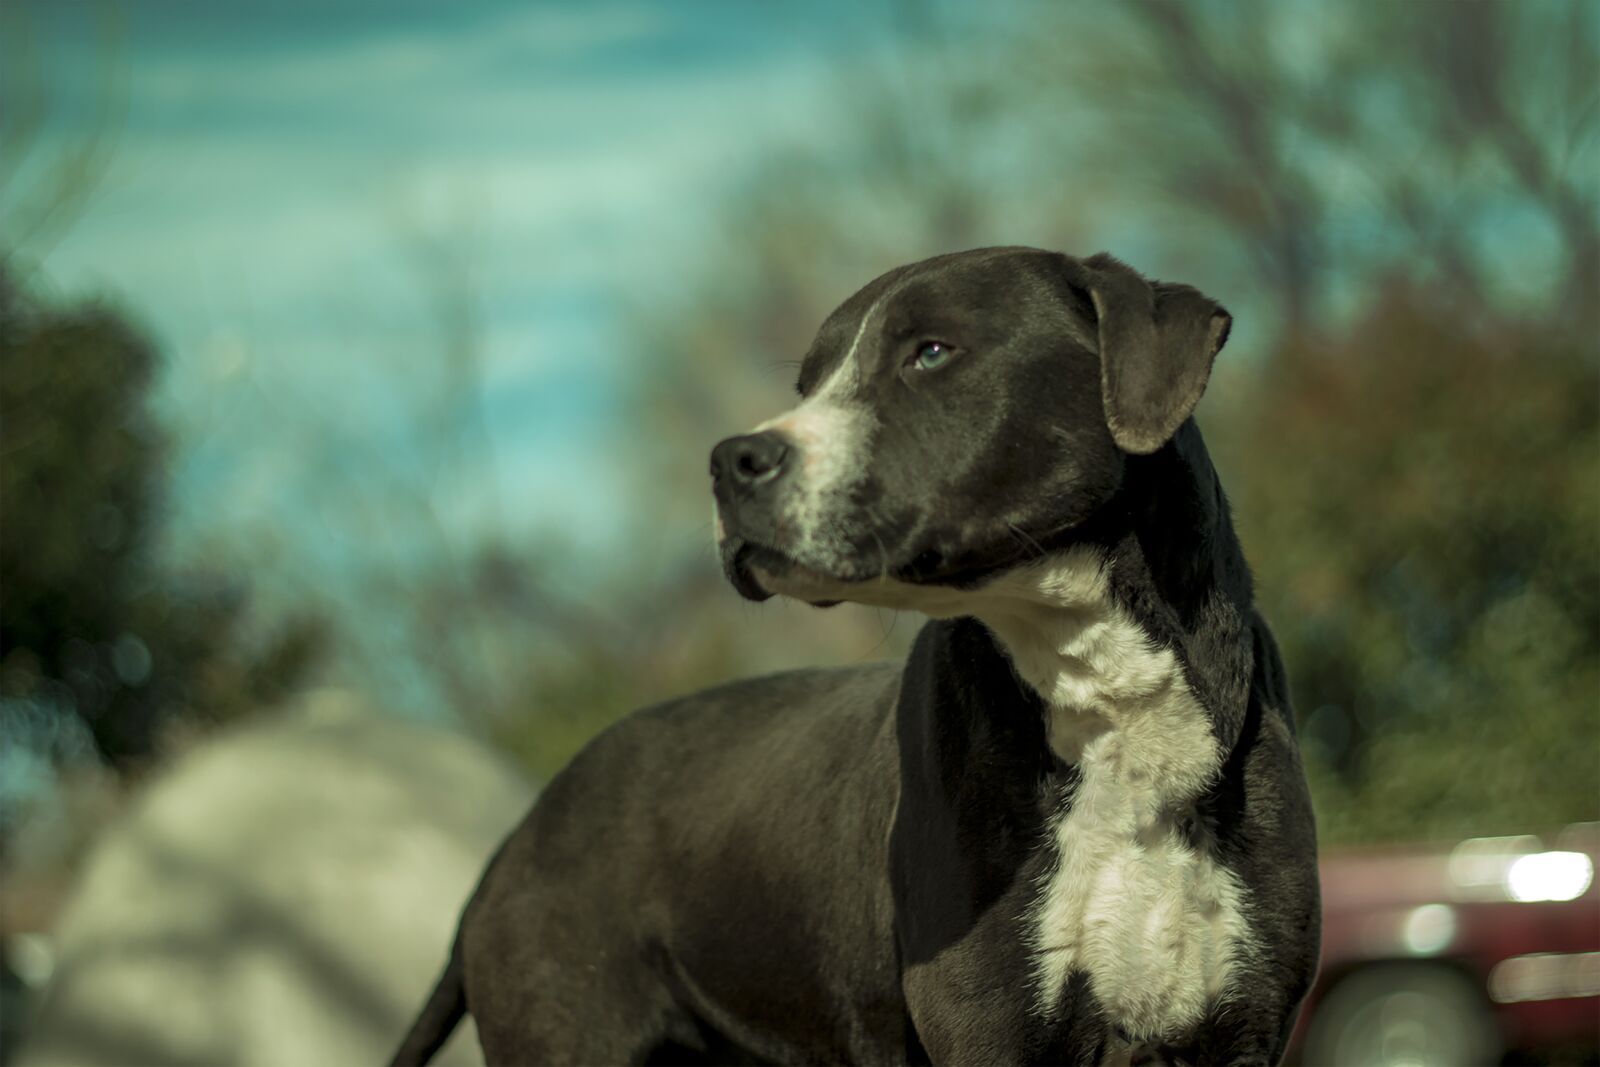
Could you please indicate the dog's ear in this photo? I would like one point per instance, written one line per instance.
(1157, 342)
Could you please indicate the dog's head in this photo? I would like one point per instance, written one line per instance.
(954, 414)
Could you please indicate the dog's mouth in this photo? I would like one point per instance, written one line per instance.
(738, 557)
(758, 572)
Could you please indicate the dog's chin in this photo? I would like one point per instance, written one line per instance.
(798, 583)
(759, 572)
(932, 583)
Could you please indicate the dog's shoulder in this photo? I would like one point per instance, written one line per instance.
(680, 743)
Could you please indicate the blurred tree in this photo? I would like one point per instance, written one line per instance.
(1317, 149)
(97, 636)
(43, 188)
(1422, 505)
(92, 627)
(1418, 462)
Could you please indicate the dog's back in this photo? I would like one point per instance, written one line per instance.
(707, 836)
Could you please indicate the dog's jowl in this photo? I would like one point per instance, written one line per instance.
(1071, 828)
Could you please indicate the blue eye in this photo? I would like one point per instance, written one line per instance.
(932, 355)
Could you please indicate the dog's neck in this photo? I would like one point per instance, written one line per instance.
(1087, 658)
(1101, 627)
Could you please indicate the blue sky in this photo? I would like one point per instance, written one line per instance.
(275, 163)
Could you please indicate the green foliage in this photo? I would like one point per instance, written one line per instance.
(1422, 506)
(580, 690)
(92, 628)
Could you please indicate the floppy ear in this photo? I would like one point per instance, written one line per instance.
(1157, 342)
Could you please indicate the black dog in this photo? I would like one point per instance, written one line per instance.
(1072, 828)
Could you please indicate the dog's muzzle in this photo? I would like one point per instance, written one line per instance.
(747, 473)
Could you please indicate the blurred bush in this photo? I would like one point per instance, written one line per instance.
(1421, 501)
(109, 649)
(99, 638)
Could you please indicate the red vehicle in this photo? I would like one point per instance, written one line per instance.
(1458, 955)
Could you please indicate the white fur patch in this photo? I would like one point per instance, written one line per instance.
(831, 432)
(1156, 924)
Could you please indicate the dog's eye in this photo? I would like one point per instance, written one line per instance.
(932, 355)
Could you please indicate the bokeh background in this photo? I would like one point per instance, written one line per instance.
(366, 356)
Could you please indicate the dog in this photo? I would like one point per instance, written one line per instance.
(1073, 827)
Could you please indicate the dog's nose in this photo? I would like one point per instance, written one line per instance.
(749, 461)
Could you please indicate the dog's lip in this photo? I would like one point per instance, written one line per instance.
(744, 560)
(736, 552)
(759, 571)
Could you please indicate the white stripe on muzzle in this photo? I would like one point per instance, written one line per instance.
(831, 433)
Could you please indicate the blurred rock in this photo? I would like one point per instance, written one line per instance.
(284, 894)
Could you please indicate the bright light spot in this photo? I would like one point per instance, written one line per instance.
(1545, 976)
(1549, 876)
(1429, 929)
(1482, 862)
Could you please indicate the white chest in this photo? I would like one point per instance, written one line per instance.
(1155, 923)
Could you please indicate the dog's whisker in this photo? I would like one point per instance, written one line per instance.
(1023, 536)
(876, 523)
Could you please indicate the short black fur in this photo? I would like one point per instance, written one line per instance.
(841, 865)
